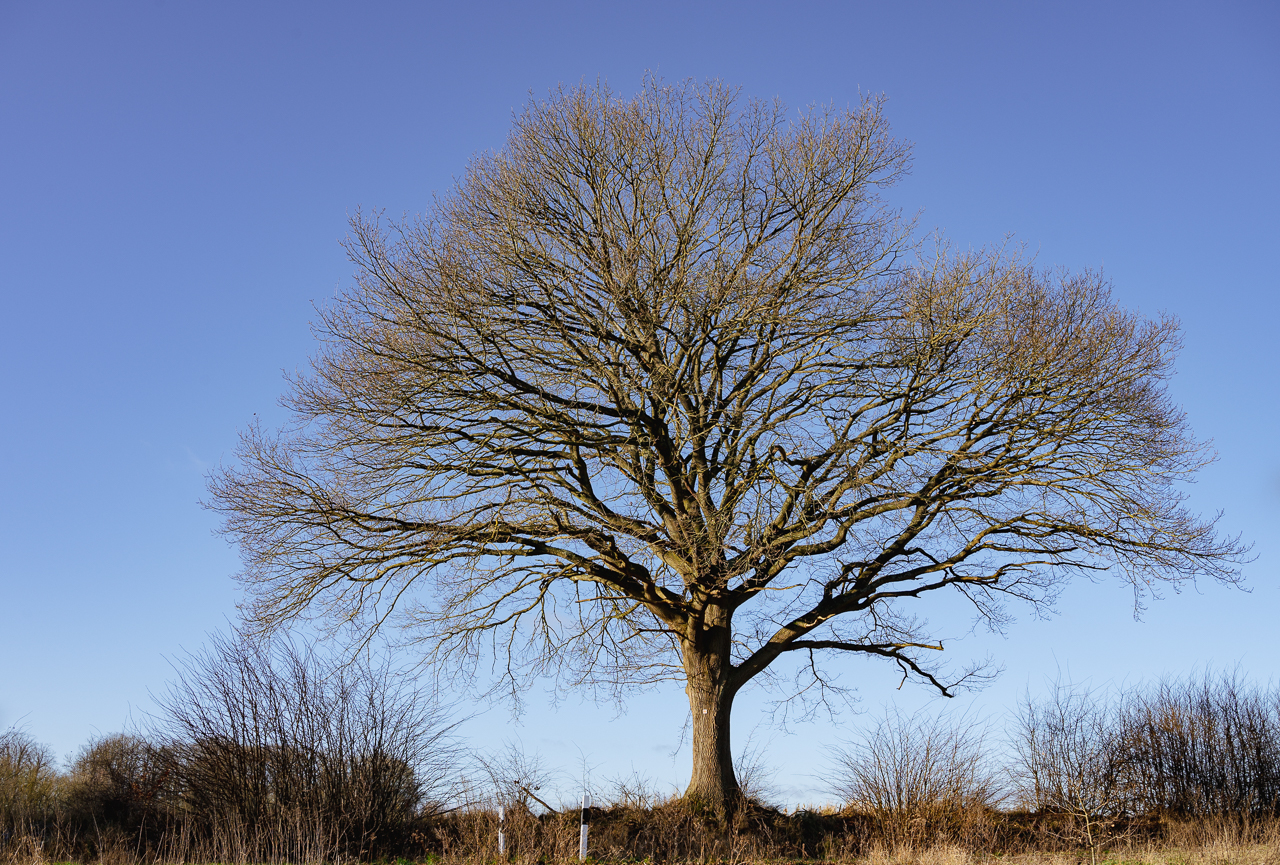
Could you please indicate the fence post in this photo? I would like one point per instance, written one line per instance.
(502, 838)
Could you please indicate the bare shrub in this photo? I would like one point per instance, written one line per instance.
(281, 754)
(922, 778)
(755, 774)
(1203, 747)
(29, 793)
(636, 791)
(1185, 756)
(121, 779)
(518, 779)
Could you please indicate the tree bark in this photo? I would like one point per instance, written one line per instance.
(708, 669)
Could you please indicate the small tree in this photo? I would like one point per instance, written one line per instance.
(653, 393)
(516, 777)
(1071, 760)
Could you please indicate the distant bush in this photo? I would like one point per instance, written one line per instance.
(30, 788)
(1183, 748)
(122, 781)
(1069, 763)
(261, 752)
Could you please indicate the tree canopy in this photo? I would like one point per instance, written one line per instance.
(663, 389)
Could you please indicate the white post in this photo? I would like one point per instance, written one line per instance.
(502, 839)
(582, 829)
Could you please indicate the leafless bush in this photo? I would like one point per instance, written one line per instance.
(1202, 747)
(281, 754)
(29, 793)
(1194, 749)
(121, 780)
(922, 778)
(755, 774)
(637, 791)
(518, 779)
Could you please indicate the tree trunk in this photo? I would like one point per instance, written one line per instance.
(707, 669)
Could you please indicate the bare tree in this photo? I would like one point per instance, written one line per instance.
(653, 393)
(1071, 760)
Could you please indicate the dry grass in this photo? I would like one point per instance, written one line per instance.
(670, 833)
(1218, 853)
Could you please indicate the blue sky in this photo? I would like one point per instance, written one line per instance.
(175, 178)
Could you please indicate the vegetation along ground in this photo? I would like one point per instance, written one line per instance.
(274, 753)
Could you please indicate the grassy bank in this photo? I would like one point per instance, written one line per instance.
(673, 832)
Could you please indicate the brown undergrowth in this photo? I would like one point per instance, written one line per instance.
(671, 831)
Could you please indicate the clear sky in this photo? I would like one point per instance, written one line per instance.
(175, 178)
